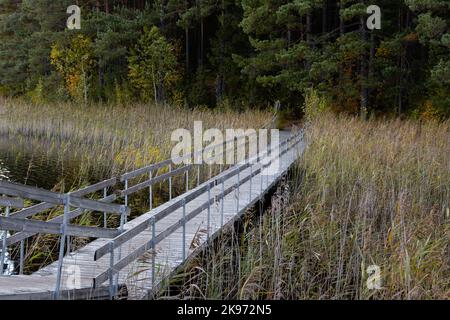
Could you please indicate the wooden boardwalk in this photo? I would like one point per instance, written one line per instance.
(150, 247)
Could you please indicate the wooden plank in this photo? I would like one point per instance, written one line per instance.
(161, 236)
(171, 249)
(19, 236)
(144, 170)
(131, 233)
(27, 192)
(32, 210)
(24, 225)
(11, 202)
(28, 212)
(97, 205)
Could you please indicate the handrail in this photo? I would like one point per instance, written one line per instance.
(128, 235)
(27, 192)
(131, 233)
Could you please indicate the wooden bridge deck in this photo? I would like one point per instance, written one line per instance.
(81, 267)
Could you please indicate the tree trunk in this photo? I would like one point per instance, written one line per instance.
(363, 74)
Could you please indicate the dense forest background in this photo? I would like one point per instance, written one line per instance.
(240, 53)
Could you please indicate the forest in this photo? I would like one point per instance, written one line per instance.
(238, 53)
(359, 209)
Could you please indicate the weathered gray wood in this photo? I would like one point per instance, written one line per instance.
(129, 234)
(169, 238)
(97, 205)
(28, 212)
(13, 224)
(27, 192)
(19, 236)
(144, 170)
(11, 202)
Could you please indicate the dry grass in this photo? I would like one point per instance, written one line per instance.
(365, 193)
(105, 140)
(118, 138)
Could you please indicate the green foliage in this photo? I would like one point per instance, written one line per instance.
(152, 65)
(314, 105)
(246, 52)
(74, 63)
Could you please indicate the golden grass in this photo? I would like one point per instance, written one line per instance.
(109, 139)
(119, 138)
(365, 193)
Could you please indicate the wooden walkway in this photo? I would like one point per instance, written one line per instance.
(148, 248)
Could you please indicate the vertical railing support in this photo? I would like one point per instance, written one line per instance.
(170, 183)
(209, 209)
(184, 230)
(198, 175)
(126, 195)
(150, 191)
(238, 190)
(4, 247)
(153, 223)
(61, 245)
(111, 271)
(187, 181)
(222, 204)
(105, 217)
(22, 256)
(123, 219)
(251, 182)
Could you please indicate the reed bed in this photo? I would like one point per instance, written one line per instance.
(114, 137)
(365, 194)
(88, 144)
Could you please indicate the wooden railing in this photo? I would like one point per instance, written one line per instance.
(76, 204)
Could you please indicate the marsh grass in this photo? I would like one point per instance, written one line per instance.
(88, 144)
(119, 138)
(364, 193)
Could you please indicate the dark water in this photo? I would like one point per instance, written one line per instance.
(41, 164)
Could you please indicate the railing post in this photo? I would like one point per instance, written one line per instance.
(238, 189)
(251, 182)
(111, 270)
(4, 248)
(61, 245)
(170, 182)
(22, 254)
(222, 204)
(209, 209)
(187, 180)
(105, 222)
(261, 180)
(198, 175)
(126, 195)
(123, 219)
(150, 190)
(153, 222)
(184, 230)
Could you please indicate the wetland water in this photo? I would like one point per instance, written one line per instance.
(45, 165)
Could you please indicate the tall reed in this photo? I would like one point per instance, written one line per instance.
(365, 194)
